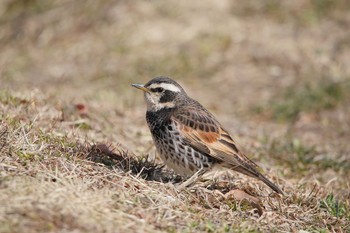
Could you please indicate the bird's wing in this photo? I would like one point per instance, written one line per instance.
(202, 131)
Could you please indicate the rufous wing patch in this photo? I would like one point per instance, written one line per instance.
(208, 137)
(196, 134)
(217, 143)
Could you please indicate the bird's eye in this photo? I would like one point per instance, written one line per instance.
(158, 89)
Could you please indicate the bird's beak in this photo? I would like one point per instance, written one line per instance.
(141, 87)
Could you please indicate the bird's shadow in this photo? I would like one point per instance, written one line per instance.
(121, 159)
(147, 169)
(143, 167)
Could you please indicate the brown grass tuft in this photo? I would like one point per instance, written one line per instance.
(75, 151)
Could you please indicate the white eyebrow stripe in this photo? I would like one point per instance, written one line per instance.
(166, 86)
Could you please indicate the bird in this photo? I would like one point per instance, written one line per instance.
(188, 137)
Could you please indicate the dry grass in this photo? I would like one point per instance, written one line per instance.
(75, 151)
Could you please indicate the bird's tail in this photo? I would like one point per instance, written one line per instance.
(270, 184)
(255, 174)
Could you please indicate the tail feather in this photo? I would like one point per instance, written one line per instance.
(270, 184)
(255, 174)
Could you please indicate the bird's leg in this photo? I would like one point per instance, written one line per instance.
(192, 179)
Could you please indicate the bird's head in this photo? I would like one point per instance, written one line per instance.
(161, 92)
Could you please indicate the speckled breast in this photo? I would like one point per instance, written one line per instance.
(172, 148)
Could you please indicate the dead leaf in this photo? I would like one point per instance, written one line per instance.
(82, 109)
(240, 195)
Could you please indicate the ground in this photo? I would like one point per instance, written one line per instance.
(75, 151)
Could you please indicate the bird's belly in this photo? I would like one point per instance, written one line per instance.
(183, 159)
(178, 166)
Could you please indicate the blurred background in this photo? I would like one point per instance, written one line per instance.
(241, 53)
(274, 72)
